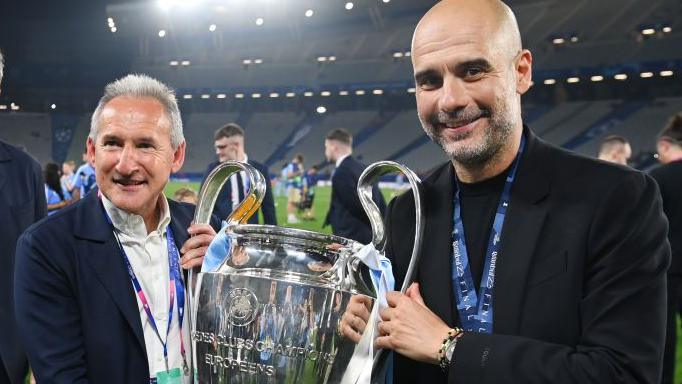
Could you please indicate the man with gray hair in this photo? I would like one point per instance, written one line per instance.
(22, 202)
(100, 292)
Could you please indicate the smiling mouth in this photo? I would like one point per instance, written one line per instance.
(128, 182)
(459, 124)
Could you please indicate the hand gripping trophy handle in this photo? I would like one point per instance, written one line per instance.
(207, 198)
(366, 182)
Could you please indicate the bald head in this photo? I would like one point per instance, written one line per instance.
(491, 19)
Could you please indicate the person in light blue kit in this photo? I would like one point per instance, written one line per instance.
(84, 179)
(56, 195)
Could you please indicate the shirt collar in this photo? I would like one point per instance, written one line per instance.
(132, 224)
(341, 159)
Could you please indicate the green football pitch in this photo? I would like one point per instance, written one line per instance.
(320, 207)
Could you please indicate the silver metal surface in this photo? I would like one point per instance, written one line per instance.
(270, 312)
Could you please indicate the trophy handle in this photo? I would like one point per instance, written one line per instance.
(214, 183)
(367, 180)
(204, 209)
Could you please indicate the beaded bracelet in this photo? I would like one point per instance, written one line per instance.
(448, 342)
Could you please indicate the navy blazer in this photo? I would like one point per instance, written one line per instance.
(346, 215)
(580, 284)
(22, 202)
(223, 205)
(76, 307)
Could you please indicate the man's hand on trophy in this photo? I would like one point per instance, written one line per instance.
(354, 319)
(195, 247)
(410, 328)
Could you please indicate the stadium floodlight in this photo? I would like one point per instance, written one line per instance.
(386, 1)
(597, 78)
(360, 92)
(290, 94)
(307, 94)
(648, 31)
(667, 29)
(238, 95)
(309, 13)
(14, 107)
(349, 6)
(574, 39)
(322, 59)
(110, 20)
(212, 27)
(343, 93)
(321, 109)
(573, 80)
(378, 92)
(646, 75)
(256, 95)
(408, 53)
(274, 95)
(162, 33)
(558, 40)
(397, 55)
(221, 96)
(259, 21)
(205, 96)
(174, 63)
(258, 61)
(3, 107)
(621, 76)
(549, 82)
(187, 96)
(325, 93)
(165, 4)
(411, 90)
(331, 58)
(185, 63)
(114, 29)
(53, 106)
(666, 73)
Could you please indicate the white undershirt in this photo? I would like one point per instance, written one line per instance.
(341, 159)
(233, 184)
(148, 255)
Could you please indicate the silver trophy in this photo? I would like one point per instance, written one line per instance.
(270, 312)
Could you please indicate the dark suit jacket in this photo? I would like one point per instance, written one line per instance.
(22, 202)
(580, 287)
(223, 205)
(76, 307)
(346, 215)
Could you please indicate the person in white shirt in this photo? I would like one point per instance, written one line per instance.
(101, 292)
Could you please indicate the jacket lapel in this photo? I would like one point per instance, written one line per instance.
(434, 272)
(521, 232)
(103, 255)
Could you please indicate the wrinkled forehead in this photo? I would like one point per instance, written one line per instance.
(135, 111)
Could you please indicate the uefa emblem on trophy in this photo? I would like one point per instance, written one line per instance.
(269, 309)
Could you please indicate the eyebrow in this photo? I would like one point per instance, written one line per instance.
(459, 68)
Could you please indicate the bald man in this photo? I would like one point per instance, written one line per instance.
(538, 265)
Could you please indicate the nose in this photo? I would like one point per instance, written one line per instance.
(454, 95)
(127, 161)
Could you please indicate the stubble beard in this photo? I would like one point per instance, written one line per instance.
(495, 137)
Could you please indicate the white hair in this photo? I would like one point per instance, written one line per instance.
(140, 86)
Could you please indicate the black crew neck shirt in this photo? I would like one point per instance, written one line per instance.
(478, 205)
(669, 179)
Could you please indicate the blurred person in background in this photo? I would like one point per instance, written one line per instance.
(22, 203)
(294, 172)
(55, 194)
(84, 179)
(228, 142)
(185, 195)
(68, 169)
(346, 215)
(669, 179)
(615, 149)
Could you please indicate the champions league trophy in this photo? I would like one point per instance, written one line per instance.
(269, 310)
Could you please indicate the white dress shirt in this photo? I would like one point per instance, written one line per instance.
(341, 159)
(148, 255)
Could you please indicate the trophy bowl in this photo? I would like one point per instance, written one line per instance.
(270, 311)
